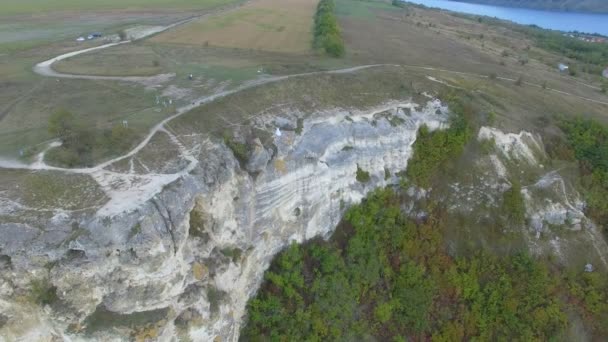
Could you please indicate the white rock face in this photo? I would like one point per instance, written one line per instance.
(553, 205)
(524, 145)
(201, 277)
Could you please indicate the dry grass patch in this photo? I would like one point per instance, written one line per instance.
(269, 25)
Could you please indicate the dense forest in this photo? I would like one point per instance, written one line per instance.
(598, 6)
(386, 276)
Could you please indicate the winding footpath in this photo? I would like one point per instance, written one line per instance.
(45, 69)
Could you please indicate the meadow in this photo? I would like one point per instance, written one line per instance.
(269, 25)
(20, 7)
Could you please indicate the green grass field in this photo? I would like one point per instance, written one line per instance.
(17, 7)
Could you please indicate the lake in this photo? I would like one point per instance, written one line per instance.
(562, 21)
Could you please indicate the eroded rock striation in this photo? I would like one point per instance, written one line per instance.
(185, 262)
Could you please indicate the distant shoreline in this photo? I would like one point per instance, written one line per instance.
(568, 7)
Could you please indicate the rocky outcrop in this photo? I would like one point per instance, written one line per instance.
(185, 262)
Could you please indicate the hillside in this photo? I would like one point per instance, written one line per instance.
(299, 170)
(595, 6)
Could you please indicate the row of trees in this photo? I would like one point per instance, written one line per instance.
(327, 34)
(83, 146)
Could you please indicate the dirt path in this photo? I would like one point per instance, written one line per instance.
(40, 165)
(45, 69)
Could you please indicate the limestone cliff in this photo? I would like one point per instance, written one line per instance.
(185, 261)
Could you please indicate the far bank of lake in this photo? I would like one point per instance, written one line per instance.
(562, 21)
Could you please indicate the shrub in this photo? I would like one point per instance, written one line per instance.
(82, 146)
(513, 204)
(239, 149)
(43, 292)
(432, 149)
(362, 175)
(62, 125)
(122, 34)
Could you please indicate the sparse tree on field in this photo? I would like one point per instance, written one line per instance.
(62, 125)
(519, 81)
(544, 85)
(122, 34)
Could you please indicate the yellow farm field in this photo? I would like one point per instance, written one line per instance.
(268, 25)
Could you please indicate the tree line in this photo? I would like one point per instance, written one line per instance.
(327, 34)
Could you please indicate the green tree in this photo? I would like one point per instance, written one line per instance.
(62, 125)
(513, 204)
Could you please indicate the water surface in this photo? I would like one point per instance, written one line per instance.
(563, 21)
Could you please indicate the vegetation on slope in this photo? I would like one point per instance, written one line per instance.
(432, 149)
(327, 33)
(589, 140)
(593, 57)
(384, 277)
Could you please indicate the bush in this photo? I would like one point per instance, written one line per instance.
(513, 204)
(432, 149)
(62, 125)
(122, 34)
(82, 146)
(43, 292)
(239, 149)
(362, 175)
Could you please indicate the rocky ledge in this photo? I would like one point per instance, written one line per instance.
(185, 262)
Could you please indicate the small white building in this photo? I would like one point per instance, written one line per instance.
(562, 67)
